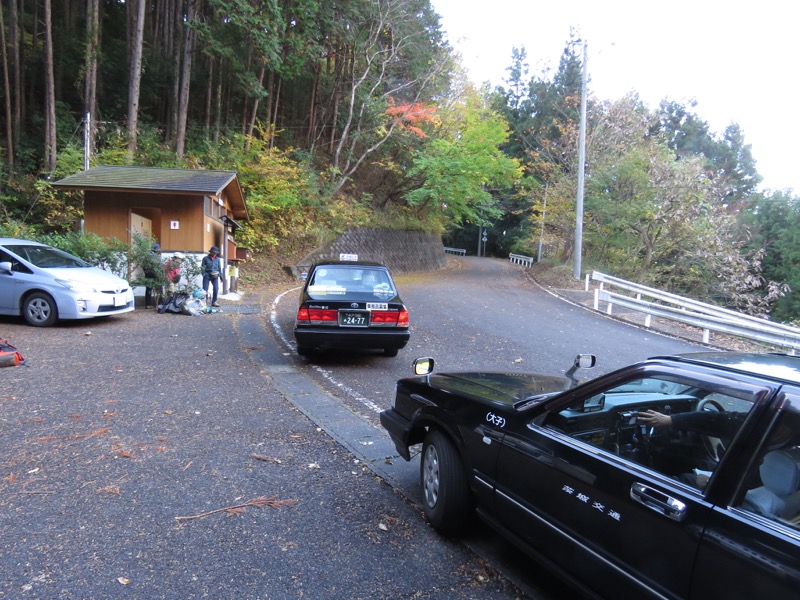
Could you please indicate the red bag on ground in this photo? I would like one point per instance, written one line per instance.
(9, 357)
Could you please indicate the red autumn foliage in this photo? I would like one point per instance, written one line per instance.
(409, 115)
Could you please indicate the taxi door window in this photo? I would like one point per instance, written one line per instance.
(689, 426)
(773, 485)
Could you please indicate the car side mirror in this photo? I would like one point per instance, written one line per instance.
(423, 366)
(6, 266)
(582, 361)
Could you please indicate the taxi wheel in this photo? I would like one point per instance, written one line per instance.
(445, 494)
(304, 351)
(40, 310)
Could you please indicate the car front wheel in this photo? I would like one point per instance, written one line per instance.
(39, 310)
(445, 493)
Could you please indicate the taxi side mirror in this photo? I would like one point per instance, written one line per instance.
(582, 361)
(423, 366)
(6, 266)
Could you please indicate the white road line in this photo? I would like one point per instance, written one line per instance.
(273, 319)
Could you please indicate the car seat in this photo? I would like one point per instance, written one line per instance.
(779, 496)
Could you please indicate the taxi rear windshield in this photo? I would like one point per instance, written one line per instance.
(335, 282)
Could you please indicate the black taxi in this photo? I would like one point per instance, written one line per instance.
(350, 304)
(676, 477)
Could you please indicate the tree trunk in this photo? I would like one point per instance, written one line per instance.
(218, 115)
(9, 130)
(16, 69)
(50, 98)
(136, 7)
(209, 94)
(311, 134)
(90, 77)
(172, 47)
(253, 116)
(185, 80)
(270, 102)
(275, 113)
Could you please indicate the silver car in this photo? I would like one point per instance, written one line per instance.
(45, 284)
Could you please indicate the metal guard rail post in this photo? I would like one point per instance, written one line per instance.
(693, 312)
(519, 259)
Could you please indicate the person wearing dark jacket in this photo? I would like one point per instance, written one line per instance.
(211, 267)
(152, 267)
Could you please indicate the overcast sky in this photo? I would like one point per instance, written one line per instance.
(738, 60)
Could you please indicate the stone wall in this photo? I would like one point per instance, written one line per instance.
(401, 251)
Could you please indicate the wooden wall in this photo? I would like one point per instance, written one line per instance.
(108, 214)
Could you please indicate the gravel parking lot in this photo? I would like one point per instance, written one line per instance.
(151, 456)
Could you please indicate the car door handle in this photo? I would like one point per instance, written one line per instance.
(658, 501)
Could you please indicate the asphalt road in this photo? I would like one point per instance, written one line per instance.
(164, 456)
(153, 456)
(478, 314)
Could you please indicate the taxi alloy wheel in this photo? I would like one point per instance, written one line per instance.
(446, 500)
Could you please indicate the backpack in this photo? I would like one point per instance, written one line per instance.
(9, 357)
(174, 304)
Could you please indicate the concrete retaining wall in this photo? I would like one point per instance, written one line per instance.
(400, 251)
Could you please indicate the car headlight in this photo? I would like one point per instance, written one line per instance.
(76, 286)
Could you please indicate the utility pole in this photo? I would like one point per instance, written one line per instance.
(576, 272)
(541, 231)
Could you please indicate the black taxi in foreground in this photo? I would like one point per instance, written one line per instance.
(677, 477)
(350, 304)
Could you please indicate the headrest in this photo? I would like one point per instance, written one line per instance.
(780, 471)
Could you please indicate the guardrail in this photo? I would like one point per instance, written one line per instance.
(693, 312)
(459, 251)
(519, 259)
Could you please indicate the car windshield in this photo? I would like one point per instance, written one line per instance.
(349, 282)
(46, 257)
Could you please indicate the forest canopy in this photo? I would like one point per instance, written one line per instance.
(358, 113)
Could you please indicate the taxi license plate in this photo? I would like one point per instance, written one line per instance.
(353, 318)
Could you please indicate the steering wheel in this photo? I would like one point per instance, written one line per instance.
(712, 445)
(705, 403)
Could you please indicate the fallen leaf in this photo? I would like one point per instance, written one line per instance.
(124, 580)
(265, 458)
(97, 432)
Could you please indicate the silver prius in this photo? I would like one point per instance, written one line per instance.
(45, 284)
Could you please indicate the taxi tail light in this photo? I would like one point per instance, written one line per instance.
(402, 318)
(384, 317)
(317, 315)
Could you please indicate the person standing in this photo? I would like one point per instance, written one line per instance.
(173, 269)
(211, 267)
(152, 268)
